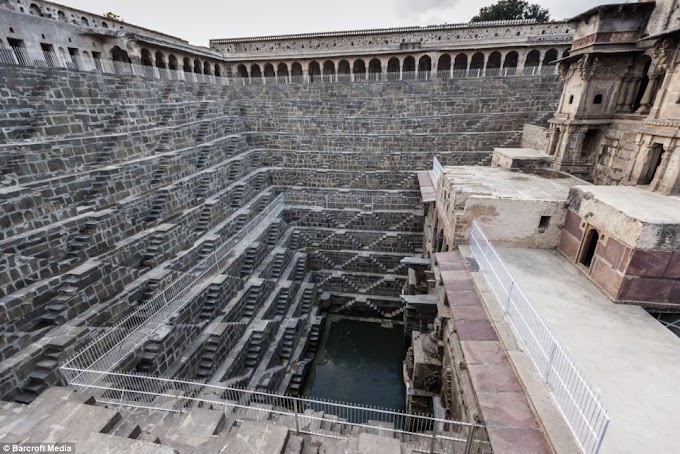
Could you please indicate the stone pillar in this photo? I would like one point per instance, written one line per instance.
(623, 94)
(646, 102)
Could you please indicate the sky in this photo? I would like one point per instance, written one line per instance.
(198, 21)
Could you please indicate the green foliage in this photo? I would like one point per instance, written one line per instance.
(511, 10)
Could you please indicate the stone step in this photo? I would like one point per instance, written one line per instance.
(253, 438)
(73, 422)
(105, 443)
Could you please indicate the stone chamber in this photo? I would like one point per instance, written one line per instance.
(114, 186)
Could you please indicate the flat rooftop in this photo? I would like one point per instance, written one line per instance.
(638, 203)
(527, 184)
(629, 357)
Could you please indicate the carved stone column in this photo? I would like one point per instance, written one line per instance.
(646, 101)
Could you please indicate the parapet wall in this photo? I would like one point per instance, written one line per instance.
(392, 39)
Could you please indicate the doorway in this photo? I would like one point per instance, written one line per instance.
(589, 247)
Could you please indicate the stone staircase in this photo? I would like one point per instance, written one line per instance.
(153, 253)
(252, 301)
(81, 241)
(147, 359)
(277, 266)
(163, 142)
(211, 303)
(288, 343)
(207, 363)
(60, 415)
(282, 301)
(160, 171)
(202, 132)
(254, 351)
(57, 310)
(307, 300)
(205, 218)
(203, 157)
(237, 195)
(301, 268)
(248, 261)
(101, 181)
(157, 206)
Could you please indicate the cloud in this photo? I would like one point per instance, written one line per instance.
(421, 6)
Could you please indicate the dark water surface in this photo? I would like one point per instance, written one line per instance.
(360, 362)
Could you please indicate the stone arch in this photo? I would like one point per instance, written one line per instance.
(197, 66)
(160, 59)
(328, 68)
(444, 63)
(374, 66)
(269, 70)
(120, 55)
(510, 62)
(296, 69)
(146, 57)
(117, 55)
(218, 70)
(477, 61)
(550, 57)
(105, 25)
(565, 54)
(409, 64)
(35, 10)
(282, 70)
(393, 65)
(61, 16)
(314, 71)
(255, 71)
(206, 69)
(186, 65)
(84, 21)
(460, 62)
(533, 59)
(172, 62)
(344, 70)
(494, 60)
(425, 63)
(242, 71)
(359, 69)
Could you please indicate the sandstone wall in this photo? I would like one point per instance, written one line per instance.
(113, 186)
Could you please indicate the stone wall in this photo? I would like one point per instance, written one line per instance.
(114, 186)
(426, 116)
(395, 38)
(535, 137)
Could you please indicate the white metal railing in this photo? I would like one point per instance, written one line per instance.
(91, 370)
(437, 170)
(48, 59)
(469, 73)
(578, 403)
(304, 415)
(109, 349)
(372, 202)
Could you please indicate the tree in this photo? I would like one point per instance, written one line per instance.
(512, 10)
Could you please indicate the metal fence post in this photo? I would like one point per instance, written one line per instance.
(507, 301)
(470, 439)
(551, 358)
(297, 423)
(434, 437)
